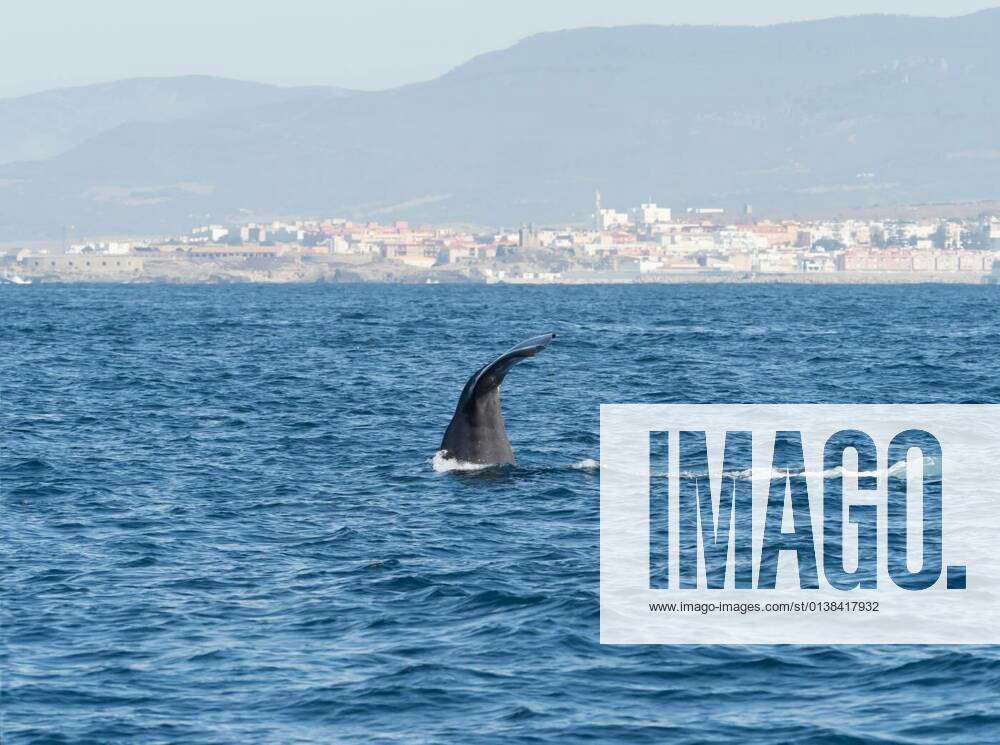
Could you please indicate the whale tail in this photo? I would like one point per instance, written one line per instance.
(476, 433)
(491, 376)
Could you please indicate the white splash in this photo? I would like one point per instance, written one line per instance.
(587, 464)
(444, 464)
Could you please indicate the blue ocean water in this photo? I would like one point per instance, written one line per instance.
(222, 525)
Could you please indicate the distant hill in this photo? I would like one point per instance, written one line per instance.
(844, 112)
(45, 124)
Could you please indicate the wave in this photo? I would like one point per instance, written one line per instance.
(932, 468)
(444, 464)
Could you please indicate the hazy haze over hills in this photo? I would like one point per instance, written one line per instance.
(841, 112)
(45, 124)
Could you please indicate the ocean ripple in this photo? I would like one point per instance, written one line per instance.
(224, 522)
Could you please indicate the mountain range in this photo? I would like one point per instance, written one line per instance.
(838, 113)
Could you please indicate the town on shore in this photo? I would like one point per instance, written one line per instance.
(647, 243)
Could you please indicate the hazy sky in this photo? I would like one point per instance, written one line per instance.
(366, 44)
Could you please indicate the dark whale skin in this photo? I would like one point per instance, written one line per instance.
(476, 433)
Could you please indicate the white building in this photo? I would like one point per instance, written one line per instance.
(650, 214)
(340, 246)
(608, 218)
(731, 240)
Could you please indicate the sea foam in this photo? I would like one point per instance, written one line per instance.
(444, 464)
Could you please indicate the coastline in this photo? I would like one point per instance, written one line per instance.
(299, 268)
(228, 275)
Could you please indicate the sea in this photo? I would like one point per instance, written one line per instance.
(222, 521)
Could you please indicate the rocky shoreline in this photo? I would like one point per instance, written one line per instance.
(344, 270)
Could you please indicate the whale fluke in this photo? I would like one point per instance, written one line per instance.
(476, 433)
